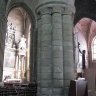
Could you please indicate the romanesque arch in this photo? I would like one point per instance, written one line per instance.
(30, 25)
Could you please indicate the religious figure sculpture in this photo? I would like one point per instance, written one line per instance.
(81, 64)
(22, 46)
(22, 56)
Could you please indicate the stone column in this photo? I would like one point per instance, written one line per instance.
(76, 49)
(68, 49)
(2, 34)
(57, 51)
(44, 63)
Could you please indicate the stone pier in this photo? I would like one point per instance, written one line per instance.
(55, 48)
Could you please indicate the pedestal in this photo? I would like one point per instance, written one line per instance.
(78, 88)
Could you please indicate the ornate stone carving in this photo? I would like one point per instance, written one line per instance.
(58, 10)
(43, 11)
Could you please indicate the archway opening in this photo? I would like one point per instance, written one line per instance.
(81, 37)
(17, 46)
(85, 39)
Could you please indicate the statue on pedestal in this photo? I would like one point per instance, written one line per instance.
(81, 64)
(22, 56)
(22, 46)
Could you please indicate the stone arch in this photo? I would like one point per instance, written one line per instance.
(86, 11)
(27, 9)
(79, 16)
(33, 36)
(80, 41)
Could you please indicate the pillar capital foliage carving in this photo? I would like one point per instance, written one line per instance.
(58, 9)
(69, 11)
(55, 9)
(50, 10)
(44, 11)
(55, 6)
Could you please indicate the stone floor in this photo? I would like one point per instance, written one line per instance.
(91, 93)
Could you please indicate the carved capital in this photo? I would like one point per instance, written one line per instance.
(44, 11)
(58, 9)
(69, 11)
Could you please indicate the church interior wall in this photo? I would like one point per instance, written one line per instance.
(46, 12)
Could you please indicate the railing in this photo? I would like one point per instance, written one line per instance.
(19, 90)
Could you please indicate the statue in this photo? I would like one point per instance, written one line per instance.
(81, 64)
(22, 56)
(83, 60)
(22, 46)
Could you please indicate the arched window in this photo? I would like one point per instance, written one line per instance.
(17, 45)
(94, 49)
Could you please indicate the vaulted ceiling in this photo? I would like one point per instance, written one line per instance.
(87, 27)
